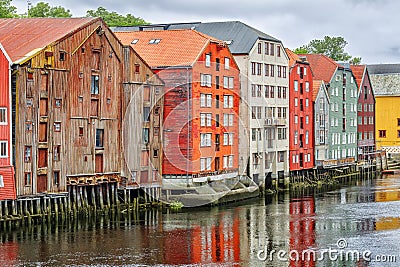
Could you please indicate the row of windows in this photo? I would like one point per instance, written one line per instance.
(306, 158)
(382, 133)
(365, 136)
(269, 70)
(335, 92)
(344, 138)
(206, 101)
(269, 91)
(269, 112)
(335, 107)
(206, 120)
(206, 139)
(206, 81)
(343, 153)
(256, 134)
(269, 49)
(367, 107)
(301, 139)
(301, 102)
(335, 122)
(367, 120)
(217, 62)
(300, 87)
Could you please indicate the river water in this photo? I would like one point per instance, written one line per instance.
(353, 225)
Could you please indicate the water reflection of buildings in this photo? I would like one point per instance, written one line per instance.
(387, 223)
(302, 229)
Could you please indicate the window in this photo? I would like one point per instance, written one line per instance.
(228, 82)
(259, 68)
(27, 153)
(296, 119)
(95, 85)
(62, 56)
(271, 49)
(272, 70)
(205, 100)
(80, 131)
(145, 136)
(56, 153)
(3, 149)
(296, 86)
(154, 41)
(205, 119)
(253, 68)
(272, 91)
(3, 115)
(228, 161)
(57, 103)
(56, 177)
(205, 80)
(307, 86)
(281, 156)
(382, 133)
(28, 126)
(228, 139)
(99, 138)
(1, 181)
(281, 133)
(228, 119)
(228, 101)
(279, 71)
(284, 71)
(208, 60)
(253, 90)
(205, 164)
(259, 48)
(137, 68)
(205, 139)
(217, 64)
(216, 82)
(146, 113)
(398, 121)
(266, 48)
(278, 50)
(155, 153)
(57, 126)
(28, 178)
(266, 69)
(227, 63)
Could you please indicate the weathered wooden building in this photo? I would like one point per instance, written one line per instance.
(71, 87)
(201, 102)
(7, 183)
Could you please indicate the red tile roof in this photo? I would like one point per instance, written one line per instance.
(21, 37)
(292, 57)
(323, 67)
(358, 72)
(175, 48)
(316, 86)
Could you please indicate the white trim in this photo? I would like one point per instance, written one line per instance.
(7, 148)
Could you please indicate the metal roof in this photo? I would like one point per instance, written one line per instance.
(241, 35)
(383, 68)
(21, 38)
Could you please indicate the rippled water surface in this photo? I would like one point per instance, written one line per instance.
(354, 225)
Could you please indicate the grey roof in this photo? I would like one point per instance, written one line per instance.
(385, 79)
(242, 36)
(383, 68)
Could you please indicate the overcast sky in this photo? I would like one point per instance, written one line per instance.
(371, 27)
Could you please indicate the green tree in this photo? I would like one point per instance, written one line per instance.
(355, 61)
(332, 47)
(7, 10)
(44, 10)
(114, 19)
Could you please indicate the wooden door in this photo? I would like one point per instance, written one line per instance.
(42, 160)
(43, 132)
(42, 183)
(99, 163)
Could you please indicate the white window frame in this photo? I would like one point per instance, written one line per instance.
(228, 101)
(205, 164)
(227, 63)
(228, 82)
(205, 100)
(4, 115)
(1, 181)
(205, 80)
(205, 139)
(4, 145)
(208, 60)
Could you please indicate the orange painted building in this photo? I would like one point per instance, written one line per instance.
(201, 102)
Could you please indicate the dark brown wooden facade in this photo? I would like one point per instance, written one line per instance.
(71, 99)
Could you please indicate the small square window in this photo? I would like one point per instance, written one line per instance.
(80, 131)
(28, 178)
(62, 56)
(137, 68)
(28, 126)
(57, 126)
(57, 103)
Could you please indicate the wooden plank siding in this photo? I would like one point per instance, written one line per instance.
(7, 184)
(60, 113)
(142, 89)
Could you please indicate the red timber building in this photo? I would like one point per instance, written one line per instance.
(365, 112)
(201, 103)
(7, 184)
(301, 134)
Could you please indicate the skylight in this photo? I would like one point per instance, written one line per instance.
(154, 41)
(135, 41)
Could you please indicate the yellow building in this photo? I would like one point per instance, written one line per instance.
(385, 79)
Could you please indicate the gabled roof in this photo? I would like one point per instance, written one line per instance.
(240, 36)
(22, 37)
(323, 67)
(359, 72)
(293, 58)
(317, 85)
(385, 79)
(5, 54)
(174, 48)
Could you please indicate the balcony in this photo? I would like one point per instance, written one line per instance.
(275, 122)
